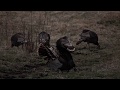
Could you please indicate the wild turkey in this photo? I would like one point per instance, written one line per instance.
(89, 37)
(64, 48)
(17, 40)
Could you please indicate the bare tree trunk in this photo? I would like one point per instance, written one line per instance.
(24, 33)
(28, 38)
(23, 30)
(45, 20)
(36, 41)
(39, 24)
(31, 28)
(6, 28)
(1, 29)
(30, 43)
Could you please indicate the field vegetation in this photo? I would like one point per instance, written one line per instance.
(17, 63)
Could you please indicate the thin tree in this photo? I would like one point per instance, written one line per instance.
(23, 28)
(30, 44)
(6, 27)
(1, 22)
(45, 20)
(31, 27)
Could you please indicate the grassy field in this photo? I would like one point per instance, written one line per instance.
(15, 63)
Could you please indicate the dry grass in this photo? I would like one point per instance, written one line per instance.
(91, 64)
